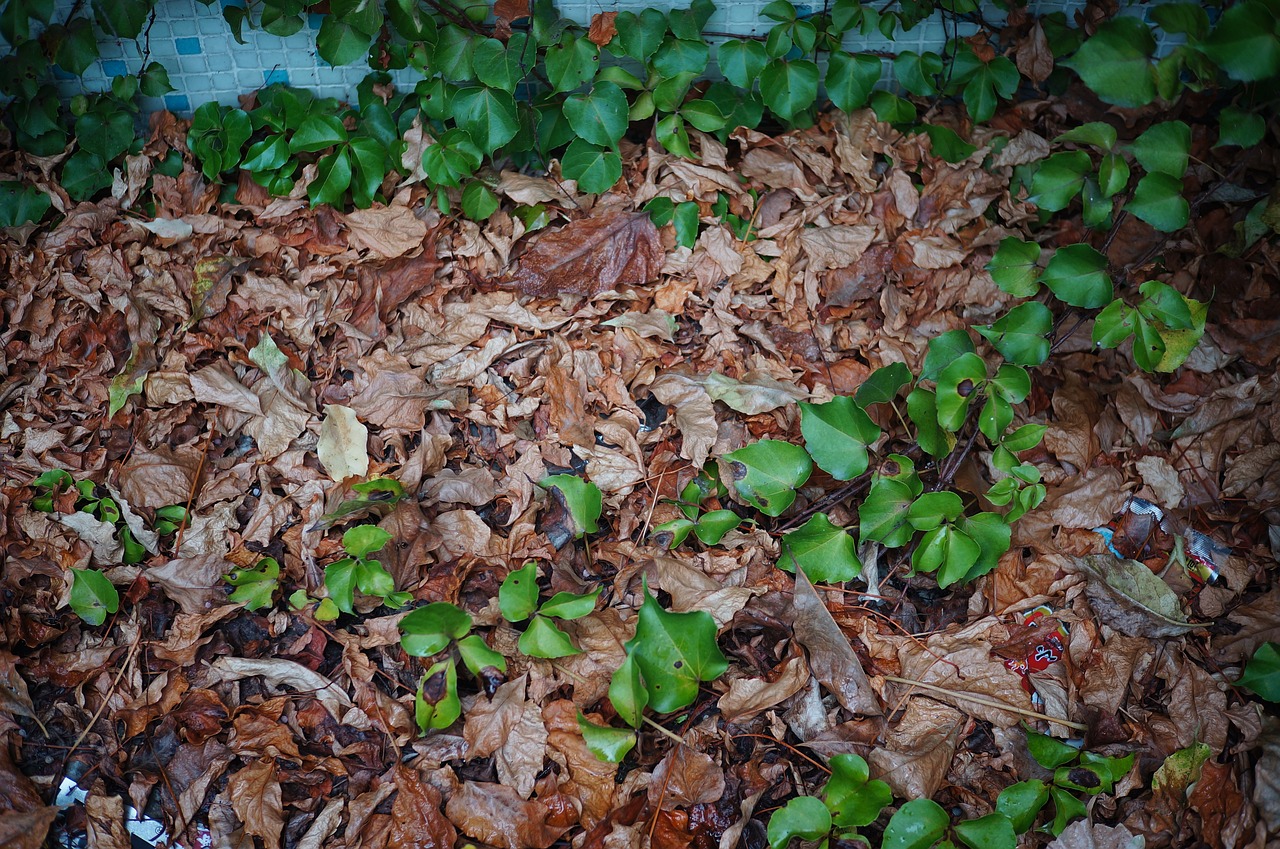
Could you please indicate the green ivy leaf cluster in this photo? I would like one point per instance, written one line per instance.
(518, 602)
(428, 632)
(357, 571)
(709, 526)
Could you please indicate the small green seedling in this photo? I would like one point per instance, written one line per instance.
(356, 571)
(709, 526)
(518, 601)
(1074, 773)
(255, 588)
(93, 596)
(54, 482)
(169, 519)
(849, 801)
(429, 631)
(373, 497)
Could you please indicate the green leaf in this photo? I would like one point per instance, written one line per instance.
(107, 136)
(943, 350)
(767, 474)
(363, 540)
(1240, 128)
(675, 653)
(958, 384)
(503, 66)
(1066, 808)
(1244, 43)
(1115, 63)
(317, 133)
(478, 201)
(21, 204)
(922, 409)
(1012, 383)
(1158, 201)
(947, 550)
(883, 385)
(1049, 752)
(1021, 335)
(672, 534)
(477, 656)
(641, 35)
(1096, 209)
(1088, 778)
(78, 47)
(704, 115)
(991, 82)
(836, 434)
(543, 638)
(994, 831)
(1114, 324)
(1178, 344)
(789, 86)
(1022, 801)
(411, 21)
(1181, 18)
(824, 551)
(1013, 266)
(429, 630)
(84, 174)
(93, 596)
(916, 72)
(742, 61)
(454, 54)
(853, 800)
(340, 43)
(566, 605)
(882, 515)
(1165, 304)
(580, 498)
(255, 587)
(571, 63)
(918, 824)
(933, 508)
(627, 693)
(1164, 148)
(488, 115)
(851, 78)
(1262, 674)
(518, 595)
(1113, 174)
(1024, 438)
(1059, 179)
(595, 168)
(946, 143)
(1097, 134)
(608, 744)
(1077, 275)
(892, 109)
(804, 817)
(437, 704)
(687, 218)
(124, 18)
(340, 581)
(712, 526)
(599, 116)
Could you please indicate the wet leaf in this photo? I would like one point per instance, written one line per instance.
(591, 256)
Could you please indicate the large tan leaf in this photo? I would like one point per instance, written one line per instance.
(343, 443)
(917, 752)
(831, 657)
(592, 255)
(257, 801)
(685, 777)
(386, 232)
(495, 814)
(510, 728)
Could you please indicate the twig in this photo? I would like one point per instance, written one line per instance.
(983, 700)
(671, 735)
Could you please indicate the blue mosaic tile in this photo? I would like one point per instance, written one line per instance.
(177, 103)
(314, 21)
(60, 74)
(114, 67)
(275, 75)
(188, 46)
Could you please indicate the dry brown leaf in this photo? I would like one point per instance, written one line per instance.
(695, 414)
(590, 256)
(831, 657)
(415, 814)
(256, 798)
(918, 750)
(510, 10)
(1033, 56)
(496, 814)
(157, 478)
(105, 814)
(287, 675)
(1083, 834)
(750, 696)
(26, 829)
(510, 728)
(685, 777)
(836, 247)
(386, 232)
(590, 779)
(603, 28)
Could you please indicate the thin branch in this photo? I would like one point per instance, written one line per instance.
(983, 700)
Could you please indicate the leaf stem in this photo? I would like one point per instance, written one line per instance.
(983, 700)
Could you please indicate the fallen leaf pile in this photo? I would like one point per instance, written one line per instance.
(260, 357)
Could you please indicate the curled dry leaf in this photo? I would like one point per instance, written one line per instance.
(1083, 834)
(510, 728)
(590, 256)
(749, 696)
(387, 232)
(685, 777)
(695, 414)
(918, 750)
(831, 658)
(26, 829)
(603, 28)
(256, 799)
(287, 675)
(495, 814)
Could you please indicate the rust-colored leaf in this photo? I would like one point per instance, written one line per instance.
(256, 798)
(592, 255)
(603, 28)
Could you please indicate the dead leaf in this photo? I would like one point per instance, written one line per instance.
(685, 777)
(918, 750)
(255, 797)
(591, 256)
(415, 814)
(1033, 56)
(26, 829)
(1128, 597)
(342, 448)
(496, 814)
(695, 414)
(151, 479)
(510, 728)
(831, 658)
(603, 28)
(836, 247)
(1083, 834)
(755, 393)
(750, 696)
(387, 231)
(287, 675)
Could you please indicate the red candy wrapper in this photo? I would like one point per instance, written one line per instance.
(1045, 652)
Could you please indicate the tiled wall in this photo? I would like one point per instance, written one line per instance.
(205, 63)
